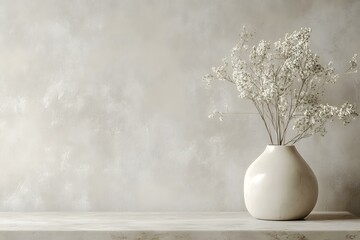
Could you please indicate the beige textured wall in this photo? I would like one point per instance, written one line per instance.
(102, 106)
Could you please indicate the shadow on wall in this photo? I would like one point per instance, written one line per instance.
(343, 179)
(352, 185)
(353, 204)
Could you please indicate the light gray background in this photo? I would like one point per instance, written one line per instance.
(102, 106)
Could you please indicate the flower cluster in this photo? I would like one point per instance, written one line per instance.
(285, 81)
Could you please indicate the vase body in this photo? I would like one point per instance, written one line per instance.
(280, 185)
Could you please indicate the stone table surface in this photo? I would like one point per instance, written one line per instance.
(192, 225)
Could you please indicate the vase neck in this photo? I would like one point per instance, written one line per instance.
(280, 147)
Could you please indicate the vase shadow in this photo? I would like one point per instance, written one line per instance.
(330, 216)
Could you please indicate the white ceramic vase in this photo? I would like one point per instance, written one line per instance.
(280, 185)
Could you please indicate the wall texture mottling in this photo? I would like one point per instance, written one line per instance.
(102, 106)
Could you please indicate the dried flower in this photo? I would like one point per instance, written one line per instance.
(285, 81)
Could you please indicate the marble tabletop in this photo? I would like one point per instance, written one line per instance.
(171, 221)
